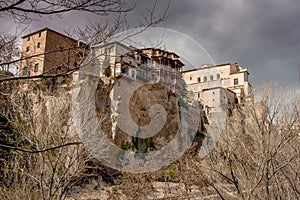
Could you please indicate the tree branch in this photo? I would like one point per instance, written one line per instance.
(11, 6)
(40, 151)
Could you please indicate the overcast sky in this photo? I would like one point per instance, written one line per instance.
(262, 35)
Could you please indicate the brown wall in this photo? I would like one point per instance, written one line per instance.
(60, 53)
(35, 53)
(56, 53)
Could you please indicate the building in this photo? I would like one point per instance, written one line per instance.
(219, 85)
(146, 65)
(48, 52)
(109, 58)
(216, 98)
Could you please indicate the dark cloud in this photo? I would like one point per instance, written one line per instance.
(261, 35)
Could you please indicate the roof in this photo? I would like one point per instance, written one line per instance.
(176, 57)
(47, 29)
(158, 49)
(141, 51)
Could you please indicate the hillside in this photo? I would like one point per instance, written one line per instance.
(257, 154)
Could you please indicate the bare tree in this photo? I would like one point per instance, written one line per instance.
(112, 17)
(26, 10)
(9, 50)
(257, 156)
(42, 156)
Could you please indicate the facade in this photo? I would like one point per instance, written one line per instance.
(214, 99)
(49, 52)
(146, 65)
(219, 85)
(110, 56)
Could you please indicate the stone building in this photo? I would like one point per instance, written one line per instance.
(146, 65)
(48, 52)
(219, 85)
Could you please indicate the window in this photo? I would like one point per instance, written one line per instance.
(211, 78)
(236, 81)
(218, 76)
(28, 39)
(198, 94)
(27, 48)
(40, 34)
(133, 74)
(38, 45)
(36, 67)
(191, 78)
(199, 79)
(204, 78)
(25, 71)
(213, 92)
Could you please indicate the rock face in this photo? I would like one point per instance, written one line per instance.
(147, 103)
(140, 107)
(40, 101)
(133, 126)
(103, 106)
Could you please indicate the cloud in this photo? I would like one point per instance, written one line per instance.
(261, 35)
